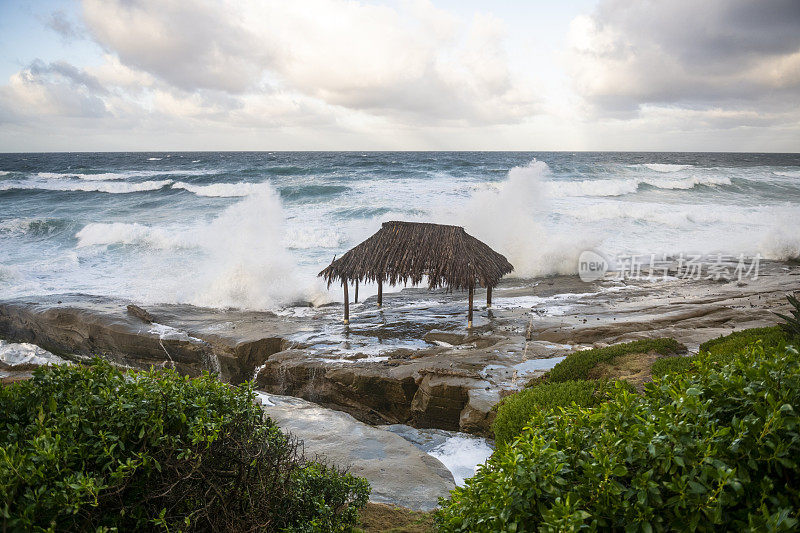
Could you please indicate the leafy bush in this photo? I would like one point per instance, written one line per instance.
(578, 364)
(723, 348)
(733, 342)
(715, 450)
(92, 448)
(791, 324)
(515, 411)
(670, 365)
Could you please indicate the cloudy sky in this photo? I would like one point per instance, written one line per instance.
(406, 75)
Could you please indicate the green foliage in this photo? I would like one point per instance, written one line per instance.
(577, 365)
(670, 365)
(713, 450)
(791, 324)
(729, 344)
(722, 348)
(86, 448)
(515, 411)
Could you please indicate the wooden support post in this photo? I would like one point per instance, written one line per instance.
(356, 294)
(380, 293)
(469, 313)
(346, 303)
(488, 297)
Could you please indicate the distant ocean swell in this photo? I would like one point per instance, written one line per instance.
(252, 230)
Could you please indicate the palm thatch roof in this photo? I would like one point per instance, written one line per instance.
(408, 251)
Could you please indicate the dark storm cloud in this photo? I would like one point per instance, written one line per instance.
(732, 53)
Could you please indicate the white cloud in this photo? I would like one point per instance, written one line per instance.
(739, 55)
(50, 90)
(411, 62)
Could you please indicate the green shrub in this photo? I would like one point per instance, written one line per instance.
(670, 365)
(714, 450)
(723, 348)
(85, 448)
(577, 365)
(791, 324)
(514, 412)
(728, 344)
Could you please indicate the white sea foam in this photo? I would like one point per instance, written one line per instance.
(306, 237)
(165, 332)
(14, 354)
(603, 187)
(462, 454)
(665, 167)
(104, 234)
(155, 158)
(4, 172)
(111, 176)
(619, 187)
(787, 173)
(265, 400)
(511, 220)
(246, 263)
(240, 256)
(674, 216)
(112, 187)
(780, 244)
(220, 189)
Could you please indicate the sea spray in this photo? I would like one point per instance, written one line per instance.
(511, 218)
(121, 226)
(246, 263)
(239, 258)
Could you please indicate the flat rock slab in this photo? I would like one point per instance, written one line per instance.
(398, 471)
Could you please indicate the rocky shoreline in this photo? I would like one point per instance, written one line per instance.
(411, 362)
(409, 365)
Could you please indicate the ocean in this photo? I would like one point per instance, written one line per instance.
(252, 229)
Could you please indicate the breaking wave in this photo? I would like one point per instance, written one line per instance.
(664, 167)
(787, 173)
(112, 187)
(512, 219)
(32, 227)
(620, 187)
(105, 234)
(221, 190)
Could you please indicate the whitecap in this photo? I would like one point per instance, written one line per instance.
(787, 173)
(222, 190)
(104, 234)
(112, 187)
(665, 167)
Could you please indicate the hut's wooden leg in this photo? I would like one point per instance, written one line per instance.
(380, 293)
(355, 299)
(469, 313)
(346, 304)
(488, 297)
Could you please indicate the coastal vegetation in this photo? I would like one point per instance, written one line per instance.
(95, 448)
(791, 323)
(515, 411)
(711, 444)
(578, 365)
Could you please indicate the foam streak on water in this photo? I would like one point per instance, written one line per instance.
(252, 229)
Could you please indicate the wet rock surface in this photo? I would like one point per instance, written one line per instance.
(397, 470)
(411, 362)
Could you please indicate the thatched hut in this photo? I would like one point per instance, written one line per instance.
(409, 251)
